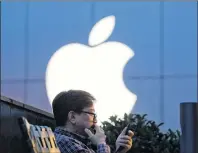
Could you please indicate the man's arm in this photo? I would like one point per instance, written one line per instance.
(103, 148)
(66, 146)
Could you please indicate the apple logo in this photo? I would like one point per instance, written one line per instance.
(97, 68)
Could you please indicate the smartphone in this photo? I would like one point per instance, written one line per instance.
(127, 130)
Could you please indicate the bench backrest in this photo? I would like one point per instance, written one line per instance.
(40, 139)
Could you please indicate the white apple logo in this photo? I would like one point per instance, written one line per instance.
(97, 68)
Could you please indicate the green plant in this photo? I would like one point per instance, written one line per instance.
(147, 136)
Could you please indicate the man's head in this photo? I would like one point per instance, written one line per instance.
(75, 109)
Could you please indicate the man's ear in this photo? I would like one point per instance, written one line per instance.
(72, 117)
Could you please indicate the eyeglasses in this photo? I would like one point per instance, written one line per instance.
(94, 115)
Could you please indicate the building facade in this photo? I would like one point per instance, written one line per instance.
(163, 36)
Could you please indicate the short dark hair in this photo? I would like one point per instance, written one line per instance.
(72, 100)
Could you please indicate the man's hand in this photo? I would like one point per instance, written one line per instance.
(99, 137)
(124, 140)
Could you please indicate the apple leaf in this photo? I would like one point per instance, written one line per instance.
(101, 30)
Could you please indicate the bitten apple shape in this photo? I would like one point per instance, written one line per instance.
(97, 68)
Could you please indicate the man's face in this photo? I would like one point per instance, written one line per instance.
(86, 119)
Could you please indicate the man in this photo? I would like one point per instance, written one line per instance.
(75, 119)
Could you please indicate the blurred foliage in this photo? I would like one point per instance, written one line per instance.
(147, 136)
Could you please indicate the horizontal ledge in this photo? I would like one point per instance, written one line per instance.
(189, 103)
(25, 106)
